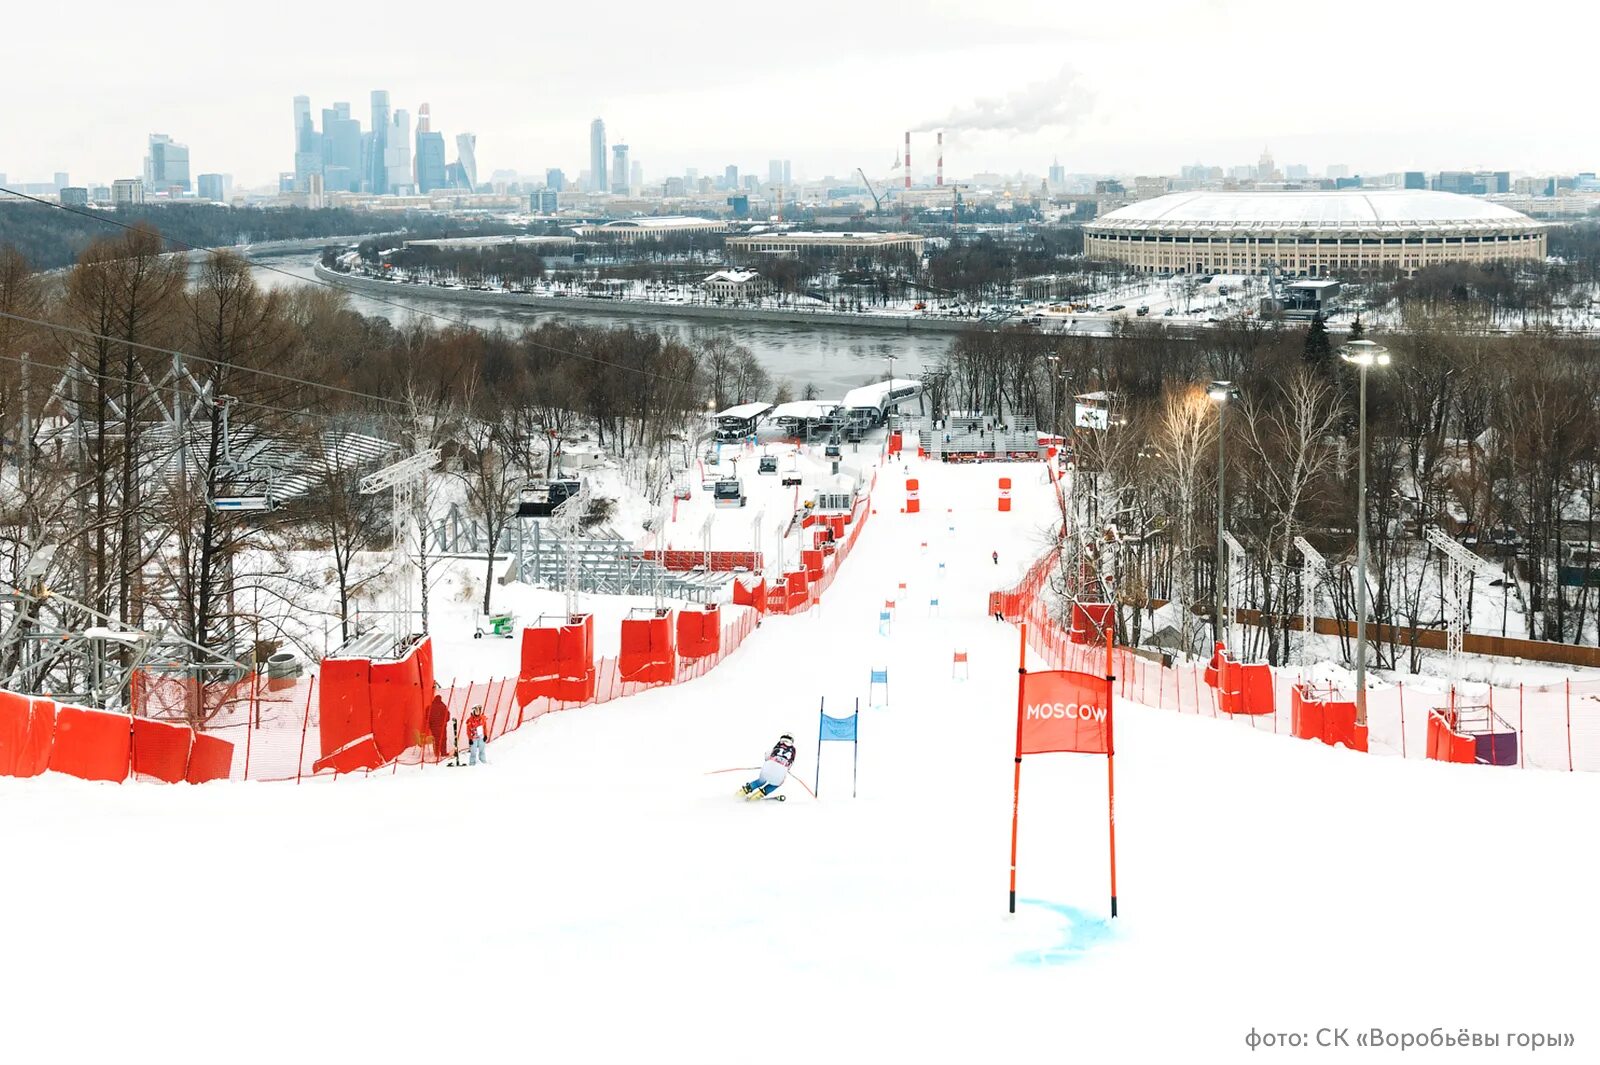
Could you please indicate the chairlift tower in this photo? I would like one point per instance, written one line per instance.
(1460, 566)
(400, 478)
(1312, 574)
(565, 522)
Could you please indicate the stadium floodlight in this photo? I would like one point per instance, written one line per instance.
(1365, 353)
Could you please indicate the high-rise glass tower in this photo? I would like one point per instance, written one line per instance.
(397, 153)
(377, 155)
(620, 176)
(166, 167)
(597, 155)
(467, 157)
(341, 150)
(430, 153)
(308, 158)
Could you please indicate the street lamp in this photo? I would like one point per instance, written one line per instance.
(1220, 392)
(1055, 361)
(1363, 354)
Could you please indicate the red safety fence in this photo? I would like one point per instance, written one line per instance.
(715, 561)
(1547, 726)
(372, 716)
(36, 734)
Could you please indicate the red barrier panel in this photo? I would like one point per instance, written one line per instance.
(699, 632)
(649, 651)
(359, 753)
(1255, 690)
(27, 724)
(209, 759)
(1305, 715)
(344, 699)
(811, 562)
(777, 597)
(1005, 494)
(1334, 723)
(1090, 620)
(540, 671)
(1445, 744)
(161, 749)
(92, 744)
(398, 709)
(913, 496)
(1339, 726)
(1229, 680)
(575, 659)
(425, 677)
(836, 524)
(799, 589)
(894, 443)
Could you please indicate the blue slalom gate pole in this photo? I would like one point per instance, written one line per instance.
(855, 752)
(822, 704)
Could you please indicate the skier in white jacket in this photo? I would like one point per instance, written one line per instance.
(774, 772)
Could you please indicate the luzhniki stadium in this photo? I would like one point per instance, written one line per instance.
(1310, 233)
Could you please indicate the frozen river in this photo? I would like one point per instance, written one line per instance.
(831, 357)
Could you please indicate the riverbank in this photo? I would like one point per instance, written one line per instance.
(588, 304)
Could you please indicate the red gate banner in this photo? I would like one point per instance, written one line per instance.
(1066, 711)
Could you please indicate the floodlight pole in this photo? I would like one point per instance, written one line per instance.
(1220, 393)
(1364, 353)
(1222, 472)
(1361, 553)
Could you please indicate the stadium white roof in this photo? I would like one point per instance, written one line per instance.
(1348, 209)
(662, 222)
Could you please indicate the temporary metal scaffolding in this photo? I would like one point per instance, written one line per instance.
(1460, 565)
(1312, 574)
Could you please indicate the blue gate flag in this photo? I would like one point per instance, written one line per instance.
(839, 728)
(880, 676)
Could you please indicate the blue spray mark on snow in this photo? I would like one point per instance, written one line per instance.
(1082, 933)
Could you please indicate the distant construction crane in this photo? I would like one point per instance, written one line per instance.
(877, 204)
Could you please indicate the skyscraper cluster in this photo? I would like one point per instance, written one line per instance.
(381, 160)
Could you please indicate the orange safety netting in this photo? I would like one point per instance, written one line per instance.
(1557, 725)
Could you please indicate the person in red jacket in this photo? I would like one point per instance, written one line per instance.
(477, 736)
(438, 724)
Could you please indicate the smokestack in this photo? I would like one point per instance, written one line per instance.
(908, 160)
(938, 178)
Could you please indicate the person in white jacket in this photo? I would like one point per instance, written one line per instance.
(775, 770)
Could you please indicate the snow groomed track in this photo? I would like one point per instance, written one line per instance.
(597, 893)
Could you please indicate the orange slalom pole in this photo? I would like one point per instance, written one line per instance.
(1111, 777)
(1016, 774)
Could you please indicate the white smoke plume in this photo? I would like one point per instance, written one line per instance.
(1059, 101)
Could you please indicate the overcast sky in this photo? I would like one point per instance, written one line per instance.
(829, 84)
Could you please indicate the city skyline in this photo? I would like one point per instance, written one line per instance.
(1005, 98)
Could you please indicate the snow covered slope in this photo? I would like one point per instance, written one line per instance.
(597, 893)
